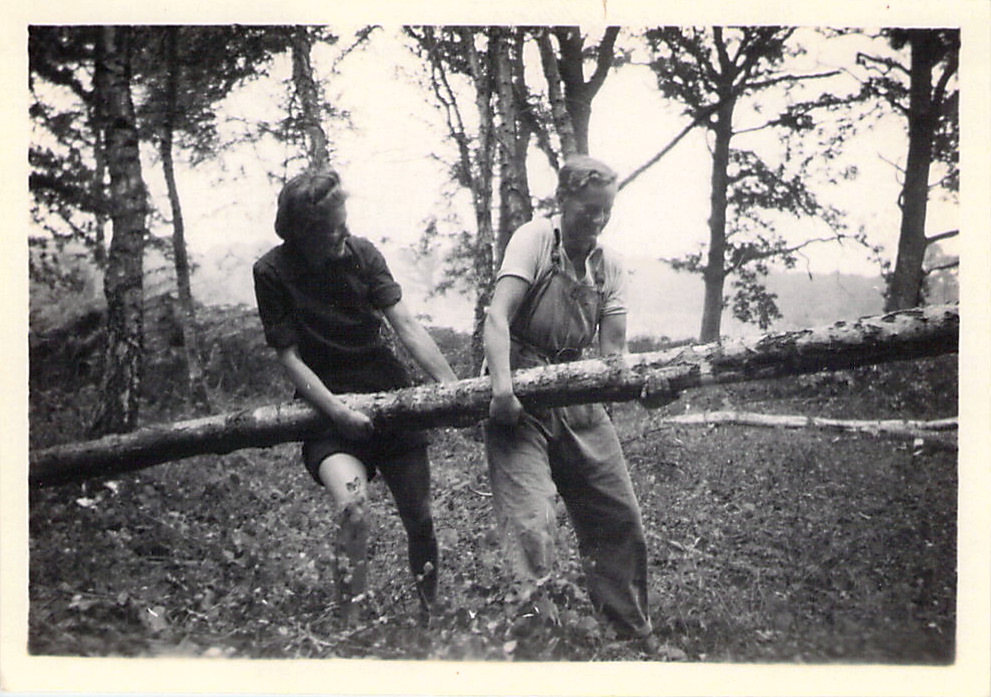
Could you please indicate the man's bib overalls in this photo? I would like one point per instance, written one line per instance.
(573, 451)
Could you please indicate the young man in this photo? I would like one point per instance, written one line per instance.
(321, 296)
(557, 289)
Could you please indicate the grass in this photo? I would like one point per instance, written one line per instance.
(765, 545)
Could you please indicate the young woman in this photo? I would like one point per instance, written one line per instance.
(556, 291)
(321, 296)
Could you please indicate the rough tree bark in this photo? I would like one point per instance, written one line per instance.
(555, 94)
(898, 336)
(481, 66)
(513, 137)
(124, 281)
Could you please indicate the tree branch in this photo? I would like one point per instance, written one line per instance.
(753, 55)
(754, 129)
(570, 41)
(931, 432)
(951, 67)
(791, 78)
(559, 110)
(455, 124)
(604, 59)
(888, 63)
(725, 64)
(770, 253)
(702, 116)
(708, 71)
(942, 267)
(941, 236)
(897, 167)
(362, 36)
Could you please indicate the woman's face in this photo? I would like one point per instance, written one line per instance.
(326, 235)
(583, 216)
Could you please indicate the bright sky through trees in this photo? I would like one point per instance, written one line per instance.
(388, 161)
(396, 185)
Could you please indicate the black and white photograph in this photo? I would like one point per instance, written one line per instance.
(606, 350)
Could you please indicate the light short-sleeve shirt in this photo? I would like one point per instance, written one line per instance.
(529, 255)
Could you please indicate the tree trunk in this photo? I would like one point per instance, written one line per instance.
(481, 67)
(514, 188)
(123, 284)
(559, 109)
(900, 336)
(714, 273)
(578, 94)
(905, 289)
(449, 51)
(186, 317)
(571, 68)
(309, 99)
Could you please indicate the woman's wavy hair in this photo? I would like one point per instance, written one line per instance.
(303, 200)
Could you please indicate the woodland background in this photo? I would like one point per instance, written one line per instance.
(765, 546)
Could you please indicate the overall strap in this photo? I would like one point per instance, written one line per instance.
(559, 314)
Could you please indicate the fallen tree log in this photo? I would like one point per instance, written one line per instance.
(939, 432)
(903, 335)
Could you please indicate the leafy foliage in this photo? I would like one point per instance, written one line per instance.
(693, 64)
(65, 181)
(212, 62)
(888, 78)
(713, 72)
(923, 90)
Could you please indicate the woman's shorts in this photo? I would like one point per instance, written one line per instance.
(382, 448)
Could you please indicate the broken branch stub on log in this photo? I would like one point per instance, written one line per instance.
(903, 335)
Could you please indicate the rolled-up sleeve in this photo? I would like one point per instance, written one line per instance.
(615, 287)
(528, 246)
(274, 308)
(383, 290)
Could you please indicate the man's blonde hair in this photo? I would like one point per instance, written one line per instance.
(581, 170)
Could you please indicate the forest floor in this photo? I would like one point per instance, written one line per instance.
(765, 545)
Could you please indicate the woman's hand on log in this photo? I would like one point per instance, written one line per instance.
(353, 424)
(657, 392)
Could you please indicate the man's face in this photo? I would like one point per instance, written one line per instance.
(583, 216)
